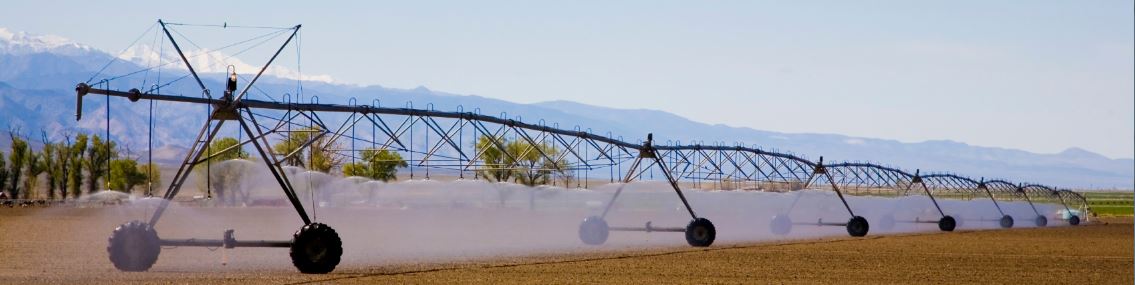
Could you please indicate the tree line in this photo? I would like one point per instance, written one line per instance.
(83, 164)
(505, 160)
(89, 163)
(520, 161)
(372, 163)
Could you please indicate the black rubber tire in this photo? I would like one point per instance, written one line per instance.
(780, 225)
(857, 226)
(887, 222)
(700, 232)
(134, 246)
(594, 231)
(947, 224)
(316, 249)
(1041, 221)
(1074, 220)
(1007, 221)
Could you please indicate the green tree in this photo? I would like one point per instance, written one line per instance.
(225, 149)
(519, 161)
(291, 146)
(98, 155)
(534, 168)
(497, 165)
(17, 158)
(320, 155)
(124, 175)
(34, 168)
(62, 169)
(76, 160)
(356, 169)
(52, 166)
(377, 164)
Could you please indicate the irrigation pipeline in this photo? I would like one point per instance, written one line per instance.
(542, 151)
(556, 150)
(739, 163)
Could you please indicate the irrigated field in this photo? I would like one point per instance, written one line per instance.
(68, 245)
(1098, 254)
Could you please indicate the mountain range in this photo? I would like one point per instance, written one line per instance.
(38, 74)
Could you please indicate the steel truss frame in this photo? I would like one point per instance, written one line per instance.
(568, 152)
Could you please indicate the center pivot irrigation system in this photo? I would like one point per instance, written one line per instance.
(454, 147)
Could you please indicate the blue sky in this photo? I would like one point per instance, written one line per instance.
(1040, 76)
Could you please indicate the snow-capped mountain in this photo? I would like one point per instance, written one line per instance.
(38, 74)
(203, 60)
(21, 43)
(208, 61)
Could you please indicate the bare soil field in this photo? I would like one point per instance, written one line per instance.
(68, 245)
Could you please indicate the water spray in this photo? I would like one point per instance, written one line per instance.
(317, 248)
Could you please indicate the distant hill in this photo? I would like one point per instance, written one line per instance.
(38, 73)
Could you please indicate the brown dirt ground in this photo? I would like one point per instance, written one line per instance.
(1100, 253)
